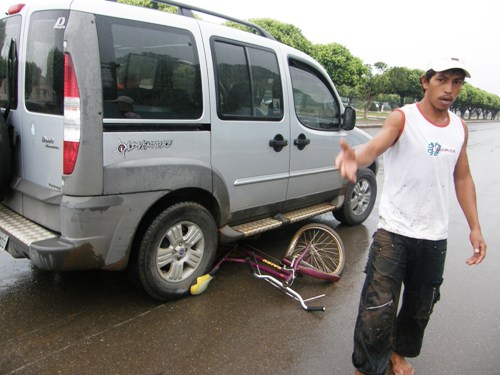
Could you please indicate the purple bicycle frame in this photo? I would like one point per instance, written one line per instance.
(253, 259)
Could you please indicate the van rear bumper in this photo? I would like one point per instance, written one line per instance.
(96, 232)
(59, 254)
(46, 249)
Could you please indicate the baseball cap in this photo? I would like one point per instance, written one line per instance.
(440, 65)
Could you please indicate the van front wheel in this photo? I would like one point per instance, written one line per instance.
(359, 199)
(178, 246)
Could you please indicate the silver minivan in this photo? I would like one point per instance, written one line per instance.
(133, 138)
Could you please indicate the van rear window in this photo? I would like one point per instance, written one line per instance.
(44, 82)
(9, 33)
(148, 71)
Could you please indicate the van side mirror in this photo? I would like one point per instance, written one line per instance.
(349, 118)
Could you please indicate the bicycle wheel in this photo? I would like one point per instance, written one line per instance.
(325, 257)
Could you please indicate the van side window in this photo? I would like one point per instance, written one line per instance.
(249, 83)
(44, 82)
(315, 104)
(148, 71)
(9, 31)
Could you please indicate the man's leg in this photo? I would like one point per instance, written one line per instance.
(374, 331)
(400, 366)
(421, 292)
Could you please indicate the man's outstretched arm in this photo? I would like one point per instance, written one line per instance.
(349, 160)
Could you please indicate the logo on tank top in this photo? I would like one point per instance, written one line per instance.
(435, 149)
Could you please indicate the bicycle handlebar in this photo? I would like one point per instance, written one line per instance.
(315, 308)
(289, 291)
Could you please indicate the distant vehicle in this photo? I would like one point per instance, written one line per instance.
(135, 138)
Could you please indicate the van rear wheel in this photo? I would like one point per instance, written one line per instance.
(178, 246)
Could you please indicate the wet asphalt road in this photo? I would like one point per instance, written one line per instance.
(97, 323)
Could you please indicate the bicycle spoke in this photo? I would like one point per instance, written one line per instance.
(324, 249)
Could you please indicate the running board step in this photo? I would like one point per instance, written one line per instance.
(22, 230)
(263, 225)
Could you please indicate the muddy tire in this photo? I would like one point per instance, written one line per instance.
(178, 246)
(359, 199)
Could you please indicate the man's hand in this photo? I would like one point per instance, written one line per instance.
(479, 246)
(346, 161)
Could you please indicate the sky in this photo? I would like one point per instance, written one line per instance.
(399, 33)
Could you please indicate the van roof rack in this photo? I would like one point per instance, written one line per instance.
(187, 10)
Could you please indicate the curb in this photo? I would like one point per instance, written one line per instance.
(378, 123)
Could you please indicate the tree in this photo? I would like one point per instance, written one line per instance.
(343, 68)
(151, 4)
(477, 102)
(372, 84)
(350, 75)
(461, 102)
(404, 82)
(473, 101)
(494, 106)
(285, 33)
(391, 99)
(347, 92)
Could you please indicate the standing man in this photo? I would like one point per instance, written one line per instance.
(425, 157)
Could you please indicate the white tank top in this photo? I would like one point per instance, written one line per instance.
(418, 171)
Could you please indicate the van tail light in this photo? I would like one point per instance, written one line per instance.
(14, 9)
(71, 116)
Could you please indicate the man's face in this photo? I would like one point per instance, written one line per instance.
(444, 87)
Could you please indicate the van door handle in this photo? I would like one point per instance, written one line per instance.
(278, 142)
(301, 141)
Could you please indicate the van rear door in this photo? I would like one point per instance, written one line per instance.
(42, 114)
